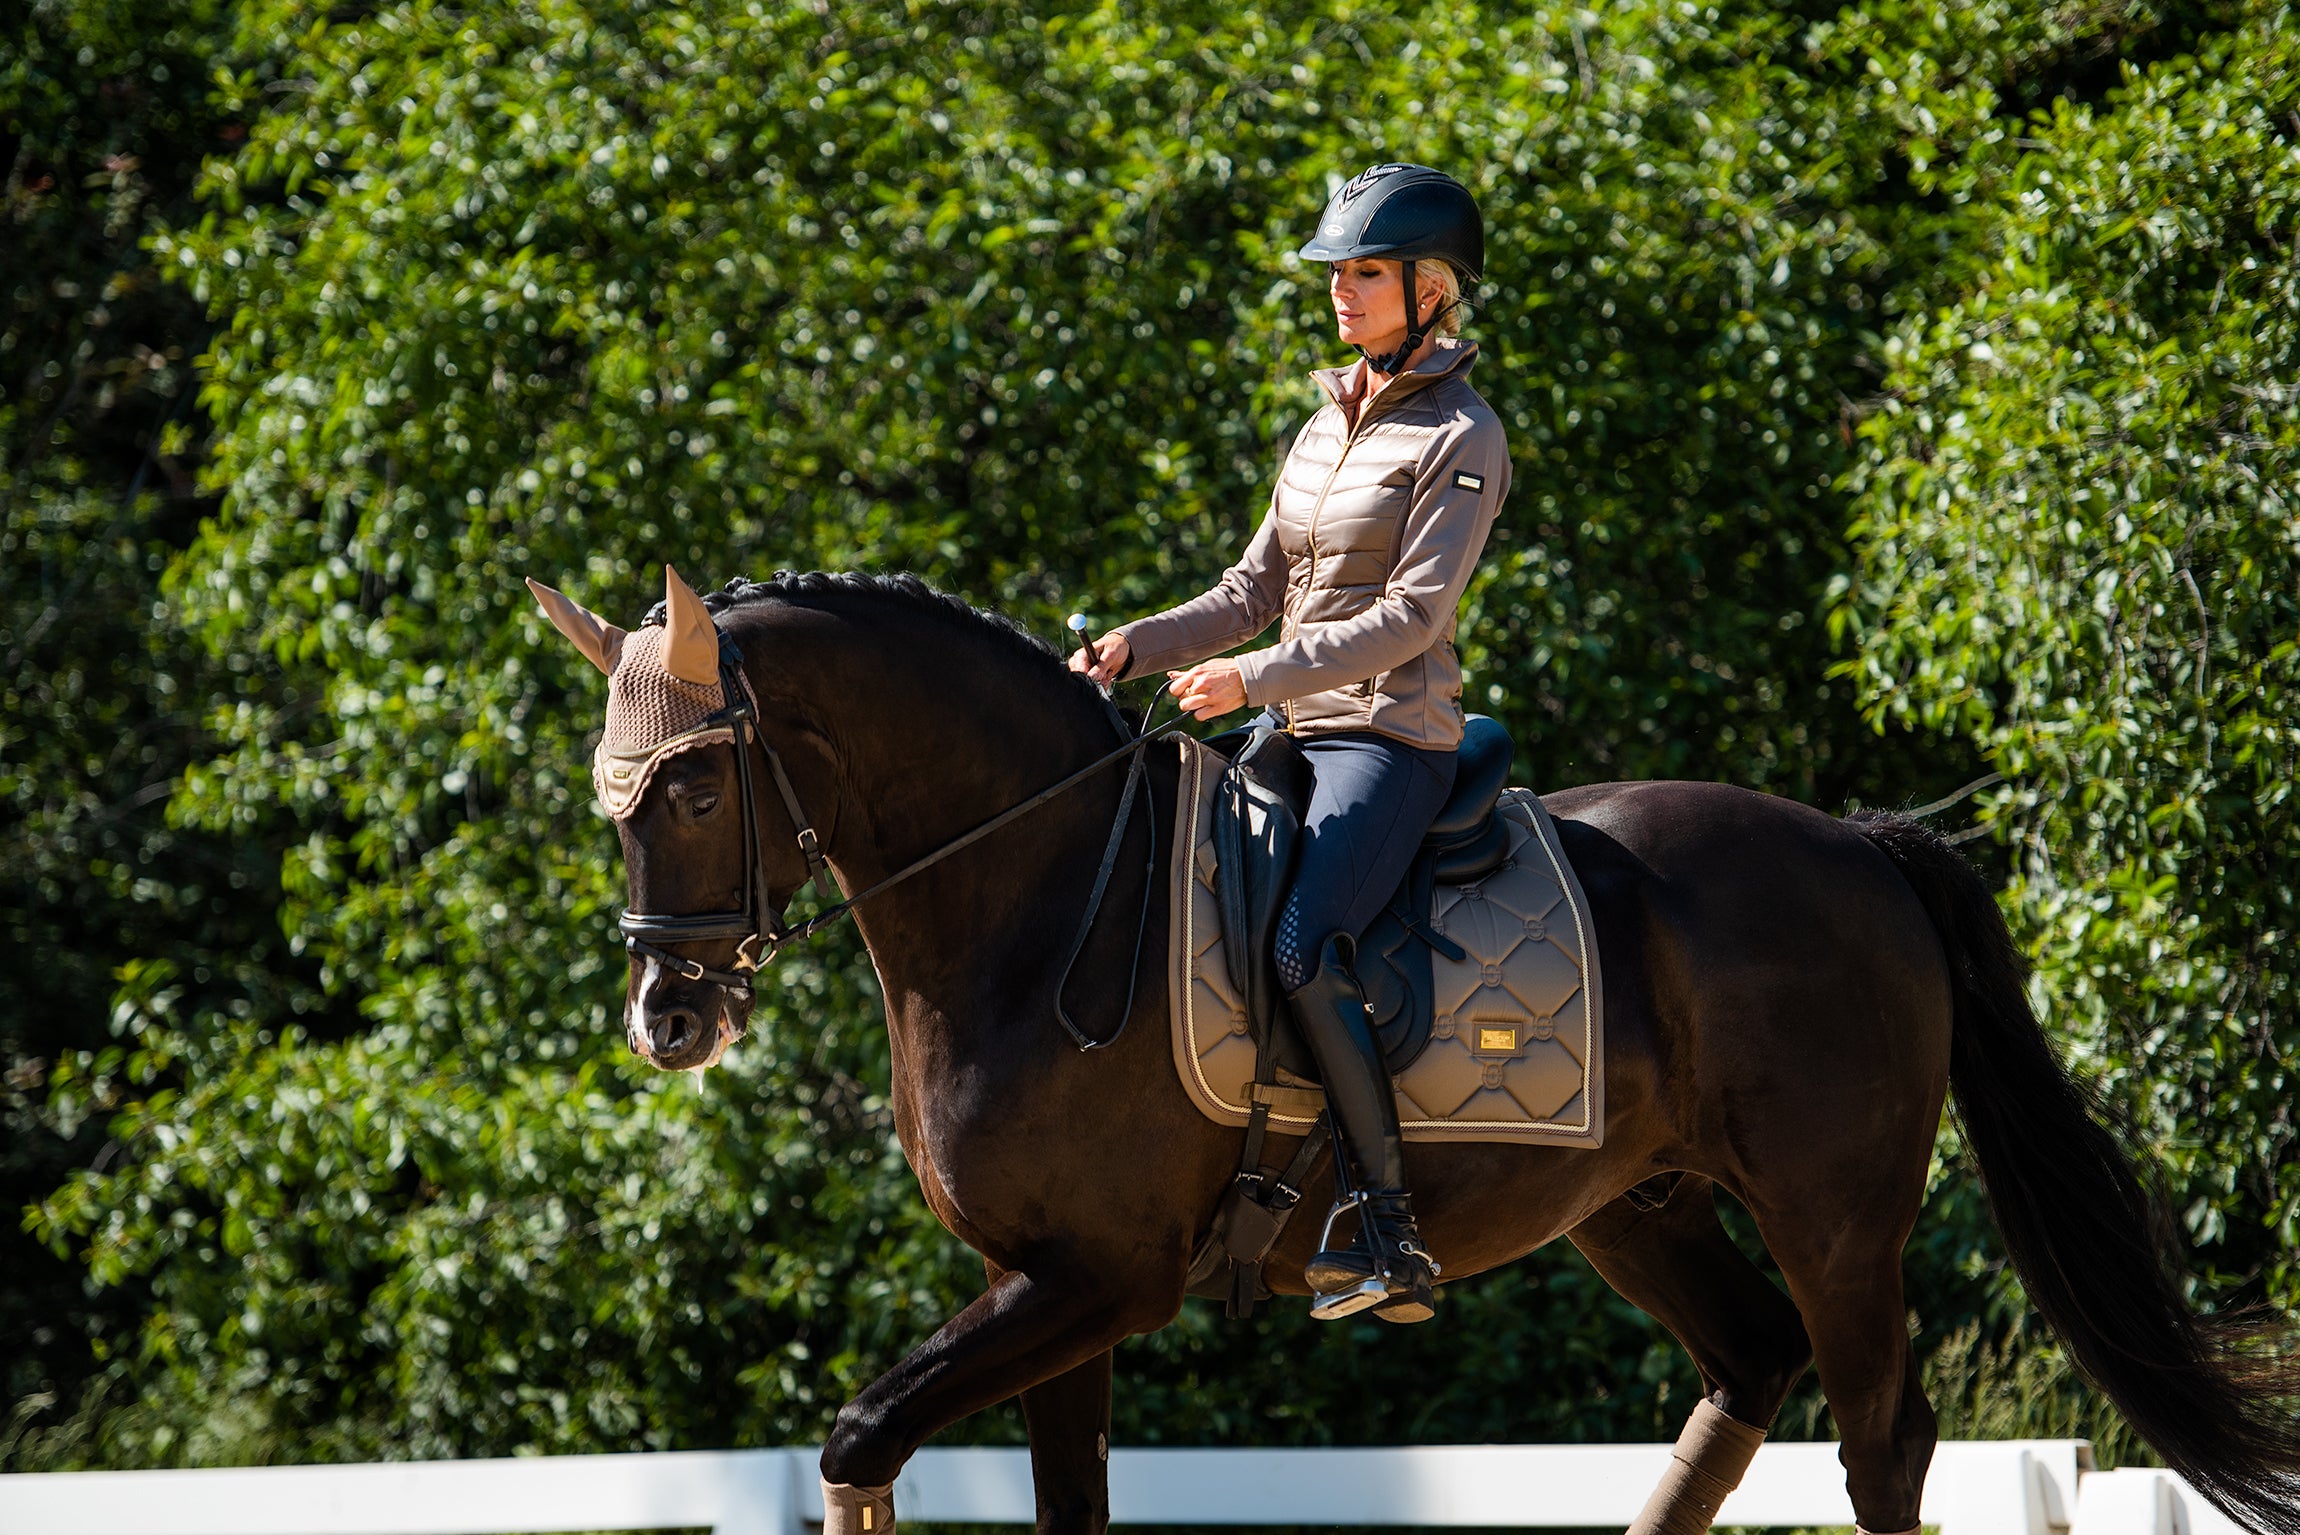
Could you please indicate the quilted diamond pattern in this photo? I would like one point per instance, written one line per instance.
(1516, 1047)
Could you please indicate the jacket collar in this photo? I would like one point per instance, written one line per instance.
(1345, 386)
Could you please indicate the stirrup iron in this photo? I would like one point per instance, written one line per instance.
(1332, 1306)
(1386, 1269)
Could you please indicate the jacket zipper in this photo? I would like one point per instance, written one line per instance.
(1317, 510)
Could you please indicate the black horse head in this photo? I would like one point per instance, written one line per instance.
(709, 868)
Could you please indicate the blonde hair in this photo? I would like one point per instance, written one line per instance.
(1445, 279)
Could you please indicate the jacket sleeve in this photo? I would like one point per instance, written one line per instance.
(1239, 606)
(1457, 494)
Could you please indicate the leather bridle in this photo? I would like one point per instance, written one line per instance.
(758, 923)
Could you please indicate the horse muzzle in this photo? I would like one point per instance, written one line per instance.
(682, 1027)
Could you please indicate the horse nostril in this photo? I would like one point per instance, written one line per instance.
(674, 1030)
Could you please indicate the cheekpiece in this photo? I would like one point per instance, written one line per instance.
(651, 717)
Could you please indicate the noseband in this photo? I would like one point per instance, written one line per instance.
(758, 923)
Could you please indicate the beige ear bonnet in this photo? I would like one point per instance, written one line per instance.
(663, 684)
(651, 716)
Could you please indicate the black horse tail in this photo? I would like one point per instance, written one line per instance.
(2214, 1395)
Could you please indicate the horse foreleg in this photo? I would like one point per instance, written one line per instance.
(1676, 1264)
(1069, 1421)
(1023, 1332)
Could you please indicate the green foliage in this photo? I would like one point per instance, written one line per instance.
(102, 698)
(1981, 1390)
(2080, 551)
(1002, 294)
(440, 1257)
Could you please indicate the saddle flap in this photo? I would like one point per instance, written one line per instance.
(1394, 970)
(1471, 858)
(1257, 841)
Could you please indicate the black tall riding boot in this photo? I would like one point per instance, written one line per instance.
(1387, 1268)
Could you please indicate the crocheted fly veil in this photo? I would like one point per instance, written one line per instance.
(663, 686)
(651, 716)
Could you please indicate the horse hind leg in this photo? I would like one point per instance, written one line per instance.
(1673, 1261)
(1849, 1291)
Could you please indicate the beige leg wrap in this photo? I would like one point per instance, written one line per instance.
(1711, 1457)
(1911, 1530)
(858, 1510)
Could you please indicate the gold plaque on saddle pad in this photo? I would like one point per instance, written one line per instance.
(1516, 1049)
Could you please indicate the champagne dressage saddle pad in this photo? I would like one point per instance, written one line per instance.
(1482, 976)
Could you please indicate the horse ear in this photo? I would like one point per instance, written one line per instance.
(600, 641)
(693, 652)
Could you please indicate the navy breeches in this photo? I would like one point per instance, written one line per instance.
(1374, 802)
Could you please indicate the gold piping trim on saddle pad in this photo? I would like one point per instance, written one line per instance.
(1516, 1052)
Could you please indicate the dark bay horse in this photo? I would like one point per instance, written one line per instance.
(1790, 997)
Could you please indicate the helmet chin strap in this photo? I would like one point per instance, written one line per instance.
(1417, 331)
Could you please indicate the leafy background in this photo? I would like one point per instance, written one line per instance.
(1899, 393)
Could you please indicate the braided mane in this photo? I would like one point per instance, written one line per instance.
(901, 589)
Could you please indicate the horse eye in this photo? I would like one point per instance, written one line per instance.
(701, 805)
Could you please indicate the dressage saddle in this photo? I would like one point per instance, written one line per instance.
(1258, 814)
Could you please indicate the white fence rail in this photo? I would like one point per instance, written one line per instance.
(2027, 1487)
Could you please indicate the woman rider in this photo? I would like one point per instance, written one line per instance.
(1377, 521)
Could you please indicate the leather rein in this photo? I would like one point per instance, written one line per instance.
(758, 923)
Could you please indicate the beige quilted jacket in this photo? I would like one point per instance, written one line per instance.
(1373, 530)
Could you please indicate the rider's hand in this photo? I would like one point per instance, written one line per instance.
(1115, 653)
(1210, 689)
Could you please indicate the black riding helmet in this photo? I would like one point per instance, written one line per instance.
(1407, 213)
